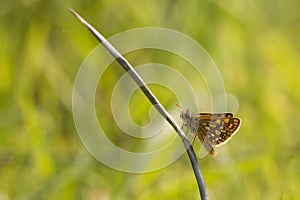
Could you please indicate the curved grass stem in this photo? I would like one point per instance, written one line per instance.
(154, 101)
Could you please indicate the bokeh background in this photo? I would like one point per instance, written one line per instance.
(255, 44)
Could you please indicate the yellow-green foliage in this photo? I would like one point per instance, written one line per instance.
(255, 45)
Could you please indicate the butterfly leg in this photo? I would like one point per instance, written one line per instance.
(193, 139)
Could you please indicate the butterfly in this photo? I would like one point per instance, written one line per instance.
(212, 129)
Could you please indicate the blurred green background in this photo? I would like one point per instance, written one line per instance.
(255, 44)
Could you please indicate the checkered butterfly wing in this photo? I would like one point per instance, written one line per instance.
(216, 129)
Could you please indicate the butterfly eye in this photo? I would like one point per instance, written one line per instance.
(184, 115)
(187, 114)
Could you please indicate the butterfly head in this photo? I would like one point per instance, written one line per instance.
(185, 115)
(190, 121)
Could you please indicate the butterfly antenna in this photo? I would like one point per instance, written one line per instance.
(178, 105)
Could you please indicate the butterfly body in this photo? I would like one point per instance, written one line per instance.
(213, 129)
